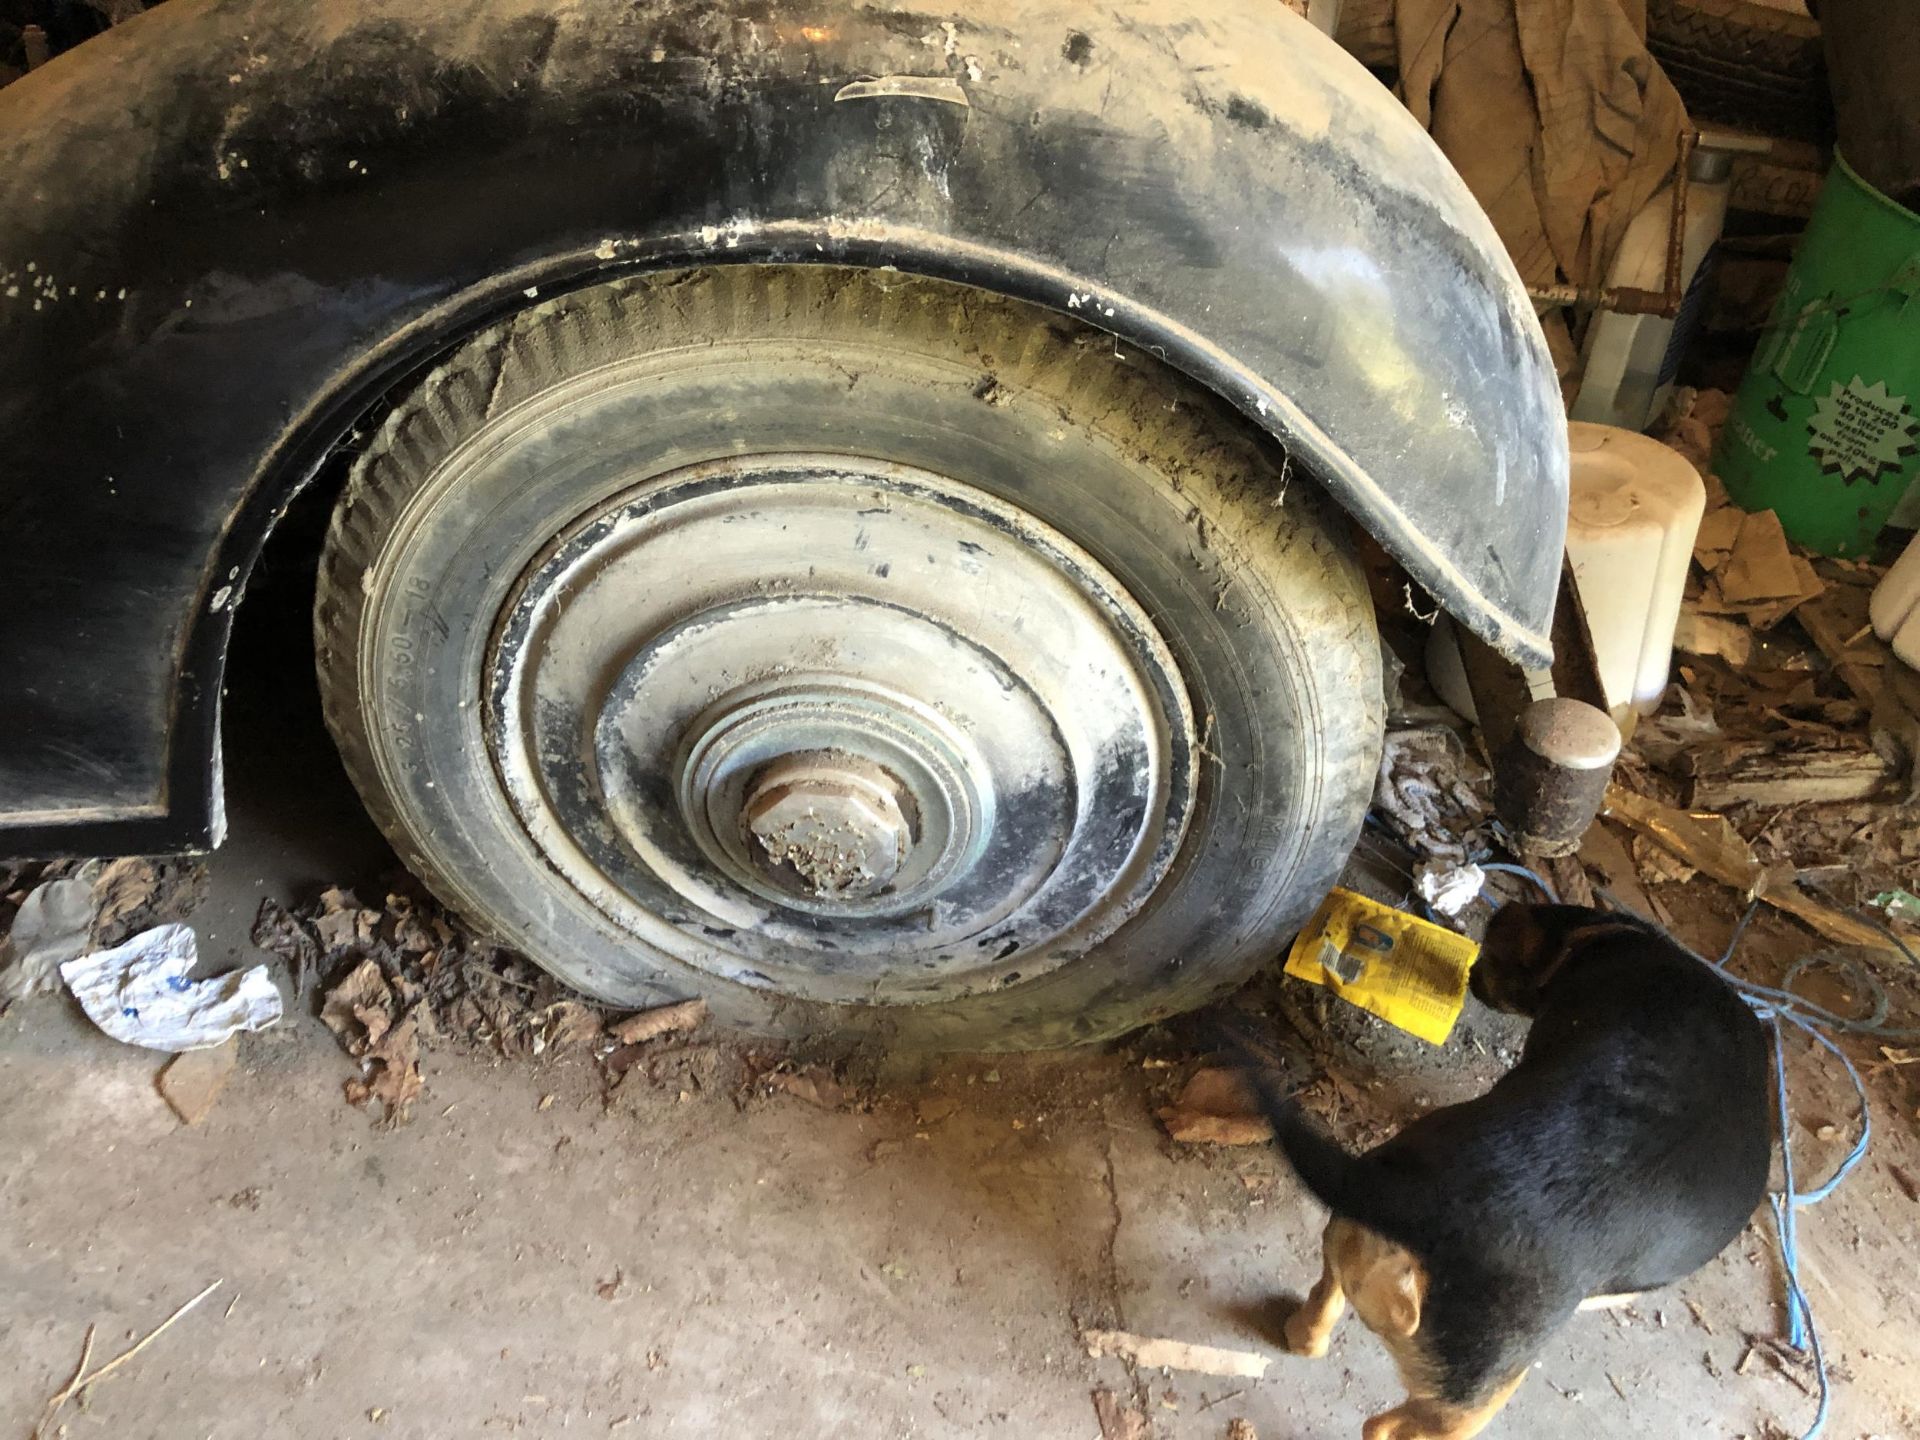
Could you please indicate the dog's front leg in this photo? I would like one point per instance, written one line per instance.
(1310, 1328)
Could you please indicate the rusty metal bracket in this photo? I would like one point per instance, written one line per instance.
(1630, 299)
(1503, 690)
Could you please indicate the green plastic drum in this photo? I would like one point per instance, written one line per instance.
(1826, 428)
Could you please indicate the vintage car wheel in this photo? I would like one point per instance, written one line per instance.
(865, 653)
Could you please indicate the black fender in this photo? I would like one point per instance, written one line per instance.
(228, 226)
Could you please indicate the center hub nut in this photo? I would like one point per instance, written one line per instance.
(828, 825)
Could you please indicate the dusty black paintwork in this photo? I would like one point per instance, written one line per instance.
(227, 227)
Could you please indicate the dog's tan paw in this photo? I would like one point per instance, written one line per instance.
(1303, 1339)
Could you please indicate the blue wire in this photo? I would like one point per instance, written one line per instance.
(1502, 868)
(1774, 1006)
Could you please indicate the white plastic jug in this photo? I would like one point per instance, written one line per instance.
(1632, 521)
(1633, 516)
(1895, 607)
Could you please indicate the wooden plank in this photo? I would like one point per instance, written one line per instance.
(1736, 774)
(1834, 750)
(1711, 844)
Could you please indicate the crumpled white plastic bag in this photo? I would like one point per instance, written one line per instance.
(51, 929)
(1450, 889)
(140, 993)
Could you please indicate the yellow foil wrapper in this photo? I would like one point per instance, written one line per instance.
(1408, 971)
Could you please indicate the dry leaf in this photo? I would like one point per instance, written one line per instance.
(278, 932)
(815, 1085)
(360, 1007)
(131, 895)
(661, 1020)
(568, 1025)
(393, 1074)
(120, 891)
(364, 1014)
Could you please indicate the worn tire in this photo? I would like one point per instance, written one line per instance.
(1744, 64)
(1243, 566)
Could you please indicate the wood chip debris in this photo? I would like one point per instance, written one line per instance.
(1837, 623)
(1158, 1354)
(1787, 1362)
(192, 1081)
(1700, 634)
(1700, 1316)
(1216, 1107)
(1119, 1421)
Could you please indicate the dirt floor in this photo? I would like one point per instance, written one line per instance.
(687, 1253)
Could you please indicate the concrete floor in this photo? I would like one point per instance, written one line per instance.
(683, 1267)
(670, 1261)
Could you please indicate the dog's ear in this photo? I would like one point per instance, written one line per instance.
(1526, 946)
(1408, 1297)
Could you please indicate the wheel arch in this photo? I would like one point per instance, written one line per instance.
(1395, 451)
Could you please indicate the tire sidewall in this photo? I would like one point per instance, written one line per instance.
(1260, 603)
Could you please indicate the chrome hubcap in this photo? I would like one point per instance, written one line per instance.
(840, 728)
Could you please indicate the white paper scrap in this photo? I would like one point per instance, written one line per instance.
(140, 993)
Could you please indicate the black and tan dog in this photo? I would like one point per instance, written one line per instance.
(1627, 1147)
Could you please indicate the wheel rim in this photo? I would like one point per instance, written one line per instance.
(840, 728)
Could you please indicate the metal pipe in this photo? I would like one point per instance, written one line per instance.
(1631, 299)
